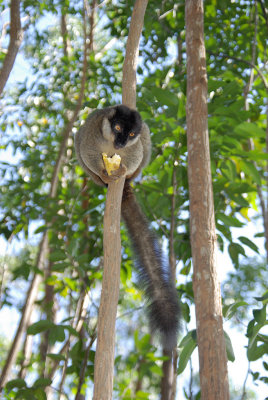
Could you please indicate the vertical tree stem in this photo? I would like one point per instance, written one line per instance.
(104, 360)
(16, 36)
(132, 53)
(211, 342)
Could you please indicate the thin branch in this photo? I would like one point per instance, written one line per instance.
(16, 36)
(168, 382)
(132, 53)
(26, 313)
(104, 359)
(174, 383)
(244, 392)
(82, 373)
(27, 352)
(64, 34)
(241, 60)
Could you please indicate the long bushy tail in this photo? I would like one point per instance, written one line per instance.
(155, 277)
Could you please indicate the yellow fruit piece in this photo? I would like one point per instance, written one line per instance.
(111, 163)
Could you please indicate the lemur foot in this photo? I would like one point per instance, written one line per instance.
(121, 171)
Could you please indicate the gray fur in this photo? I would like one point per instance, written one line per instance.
(91, 141)
(154, 274)
(94, 138)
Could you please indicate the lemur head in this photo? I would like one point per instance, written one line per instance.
(125, 127)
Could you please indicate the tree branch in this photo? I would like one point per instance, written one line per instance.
(16, 36)
(26, 313)
(132, 53)
(104, 359)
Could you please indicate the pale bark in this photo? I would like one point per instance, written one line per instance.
(26, 313)
(210, 336)
(104, 359)
(16, 36)
(169, 367)
(132, 54)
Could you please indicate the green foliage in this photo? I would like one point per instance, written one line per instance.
(35, 113)
(254, 352)
(188, 344)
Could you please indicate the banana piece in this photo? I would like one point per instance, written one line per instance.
(111, 163)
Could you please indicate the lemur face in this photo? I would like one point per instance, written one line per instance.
(125, 126)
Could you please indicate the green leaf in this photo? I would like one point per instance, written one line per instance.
(156, 369)
(42, 382)
(260, 315)
(263, 338)
(250, 130)
(254, 335)
(56, 334)
(229, 347)
(185, 310)
(57, 255)
(188, 345)
(140, 395)
(249, 243)
(40, 394)
(230, 310)
(58, 357)
(250, 169)
(256, 352)
(40, 229)
(165, 97)
(229, 221)
(39, 326)
(262, 298)
(234, 250)
(15, 383)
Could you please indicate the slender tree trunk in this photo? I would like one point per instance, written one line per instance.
(210, 336)
(104, 360)
(16, 36)
(169, 379)
(132, 53)
(26, 313)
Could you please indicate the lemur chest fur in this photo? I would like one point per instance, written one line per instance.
(131, 156)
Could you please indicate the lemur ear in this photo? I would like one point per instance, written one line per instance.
(107, 130)
(110, 112)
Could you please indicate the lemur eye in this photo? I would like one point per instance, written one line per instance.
(132, 134)
(117, 127)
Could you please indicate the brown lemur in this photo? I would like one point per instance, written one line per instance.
(120, 130)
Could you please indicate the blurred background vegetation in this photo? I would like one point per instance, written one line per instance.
(69, 63)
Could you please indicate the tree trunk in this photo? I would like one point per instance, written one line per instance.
(210, 336)
(104, 360)
(26, 313)
(16, 36)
